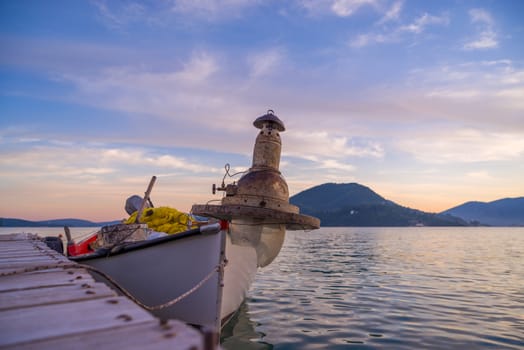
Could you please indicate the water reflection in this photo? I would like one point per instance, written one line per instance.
(240, 333)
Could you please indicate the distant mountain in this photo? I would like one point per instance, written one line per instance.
(332, 197)
(502, 212)
(9, 222)
(352, 204)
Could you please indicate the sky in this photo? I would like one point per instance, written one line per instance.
(422, 101)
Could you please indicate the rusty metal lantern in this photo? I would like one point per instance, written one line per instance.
(258, 205)
(263, 186)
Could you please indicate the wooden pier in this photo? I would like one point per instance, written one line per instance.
(46, 302)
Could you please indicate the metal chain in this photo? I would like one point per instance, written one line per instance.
(160, 306)
(72, 265)
(182, 296)
(172, 302)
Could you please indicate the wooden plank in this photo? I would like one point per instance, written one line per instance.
(10, 246)
(43, 257)
(18, 243)
(26, 255)
(45, 278)
(33, 253)
(6, 239)
(59, 308)
(9, 267)
(30, 258)
(37, 323)
(173, 335)
(53, 295)
(15, 240)
(20, 254)
(24, 249)
(17, 249)
(17, 236)
(21, 246)
(12, 237)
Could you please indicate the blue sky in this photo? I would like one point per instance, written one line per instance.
(423, 101)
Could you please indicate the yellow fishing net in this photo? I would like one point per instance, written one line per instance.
(164, 219)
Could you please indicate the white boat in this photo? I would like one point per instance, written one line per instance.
(201, 276)
(155, 272)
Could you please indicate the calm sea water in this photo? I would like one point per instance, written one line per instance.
(388, 288)
(383, 288)
(76, 232)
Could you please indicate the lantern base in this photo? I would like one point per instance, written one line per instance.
(293, 221)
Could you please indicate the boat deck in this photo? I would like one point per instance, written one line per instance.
(49, 302)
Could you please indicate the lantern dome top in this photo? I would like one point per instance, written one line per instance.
(271, 120)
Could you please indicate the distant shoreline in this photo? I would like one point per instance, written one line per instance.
(12, 222)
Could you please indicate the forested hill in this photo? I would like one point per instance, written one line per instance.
(502, 212)
(352, 204)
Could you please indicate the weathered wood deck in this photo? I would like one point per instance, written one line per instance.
(46, 306)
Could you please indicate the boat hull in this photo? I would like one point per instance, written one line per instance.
(239, 274)
(166, 268)
(156, 274)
